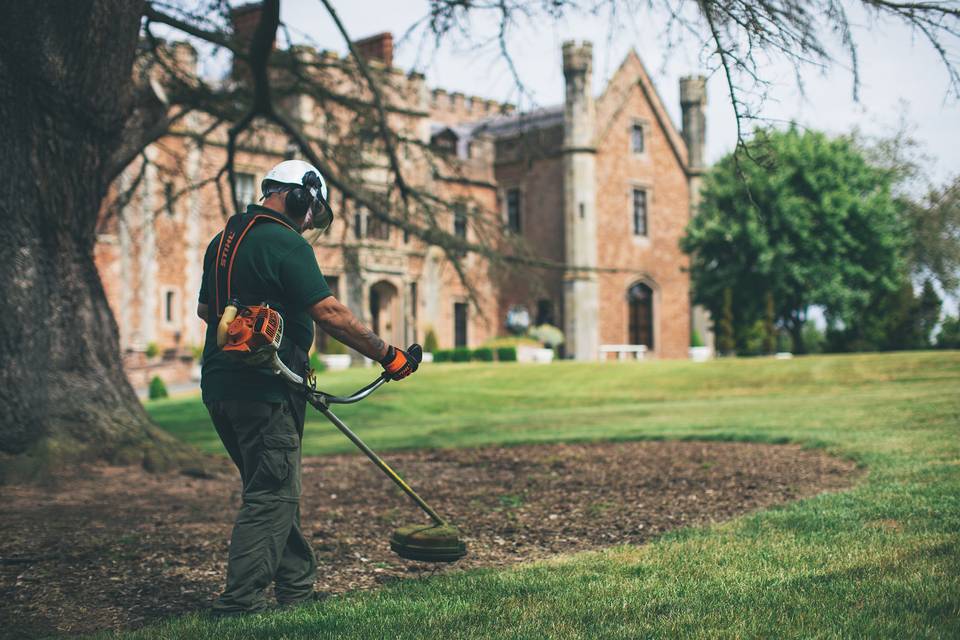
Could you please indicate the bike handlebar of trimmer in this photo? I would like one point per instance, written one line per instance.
(415, 351)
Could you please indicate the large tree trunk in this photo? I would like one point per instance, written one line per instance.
(65, 93)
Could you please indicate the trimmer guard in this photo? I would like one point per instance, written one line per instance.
(428, 543)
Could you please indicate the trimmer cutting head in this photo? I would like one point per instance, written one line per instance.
(428, 543)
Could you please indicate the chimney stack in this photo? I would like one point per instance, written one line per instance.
(244, 20)
(693, 102)
(378, 47)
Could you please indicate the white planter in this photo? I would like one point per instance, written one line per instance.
(534, 354)
(700, 354)
(427, 357)
(783, 355)
(336, 361)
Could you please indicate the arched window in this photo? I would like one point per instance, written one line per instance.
(640, 305)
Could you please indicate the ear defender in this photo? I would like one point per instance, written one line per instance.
(298, 201)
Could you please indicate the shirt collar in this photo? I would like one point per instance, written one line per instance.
(256, 208)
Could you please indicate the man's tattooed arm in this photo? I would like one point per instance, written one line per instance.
(340, 323)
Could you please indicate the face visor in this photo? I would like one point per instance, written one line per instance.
(319, 214)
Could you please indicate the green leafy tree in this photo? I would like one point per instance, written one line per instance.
(897, 320)
(928, 313)
(800, 215)
(934, 237)
(949, 337)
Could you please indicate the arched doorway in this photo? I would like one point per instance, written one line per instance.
(385, 319)
(640, 314)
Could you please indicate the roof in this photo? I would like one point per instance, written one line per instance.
(504, 126)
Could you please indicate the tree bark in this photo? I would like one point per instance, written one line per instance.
(65, 92)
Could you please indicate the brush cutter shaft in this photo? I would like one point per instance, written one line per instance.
(345, 430)
(321, 400)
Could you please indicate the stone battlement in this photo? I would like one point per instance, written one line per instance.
(457, 107)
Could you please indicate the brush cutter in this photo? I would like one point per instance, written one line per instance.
(255, 333)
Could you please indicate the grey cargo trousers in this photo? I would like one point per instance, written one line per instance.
(267, 545)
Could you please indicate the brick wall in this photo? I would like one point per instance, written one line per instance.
(655, 259)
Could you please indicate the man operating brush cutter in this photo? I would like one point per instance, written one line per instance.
(259, 260)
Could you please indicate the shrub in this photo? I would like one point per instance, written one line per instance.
(152, 350)
(443, 355)
(318, 365)
(157, 388)
(507, 354)
(430, 342)
(547, 335)
(949, 336)
(695, 339)
(510, 341)
(461, 354)
(197, 352)
(483, 354)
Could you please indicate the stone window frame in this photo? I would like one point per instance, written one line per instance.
(173, 321)
(641, 185)
(455, 302)
(643, 277)
(247, 171)
(644, 125)
(505, 207)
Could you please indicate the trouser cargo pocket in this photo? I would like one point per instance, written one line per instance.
(278, 462)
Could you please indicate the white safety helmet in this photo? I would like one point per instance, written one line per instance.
(306, 192)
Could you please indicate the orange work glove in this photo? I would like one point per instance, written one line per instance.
(398, 364)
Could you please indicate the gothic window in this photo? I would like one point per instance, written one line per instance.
(377, 229)
(168, 198)
(640, 310)
(513, 210)
(637, 141)
(459, 324)
(169, 305)
(460, 220)
(639, 206)
(413, 311)
(358, 221)
(246, 190)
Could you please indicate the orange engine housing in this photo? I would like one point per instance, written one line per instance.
(253, 329)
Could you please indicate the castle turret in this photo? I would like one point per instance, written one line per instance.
(580, 307)
(693, 103)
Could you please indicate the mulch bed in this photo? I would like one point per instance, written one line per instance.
(117, 548)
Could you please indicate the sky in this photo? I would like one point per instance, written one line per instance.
(902, 79)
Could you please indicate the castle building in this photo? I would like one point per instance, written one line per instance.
(600, 189)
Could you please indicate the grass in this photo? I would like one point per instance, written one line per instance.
(880, 560)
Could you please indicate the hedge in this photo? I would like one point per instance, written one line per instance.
(483, 354)
(507, 354)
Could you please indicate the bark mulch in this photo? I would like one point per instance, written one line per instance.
(117, 548)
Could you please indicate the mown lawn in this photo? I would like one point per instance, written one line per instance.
(880, 560)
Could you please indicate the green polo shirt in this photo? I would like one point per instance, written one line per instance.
(276, 265)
